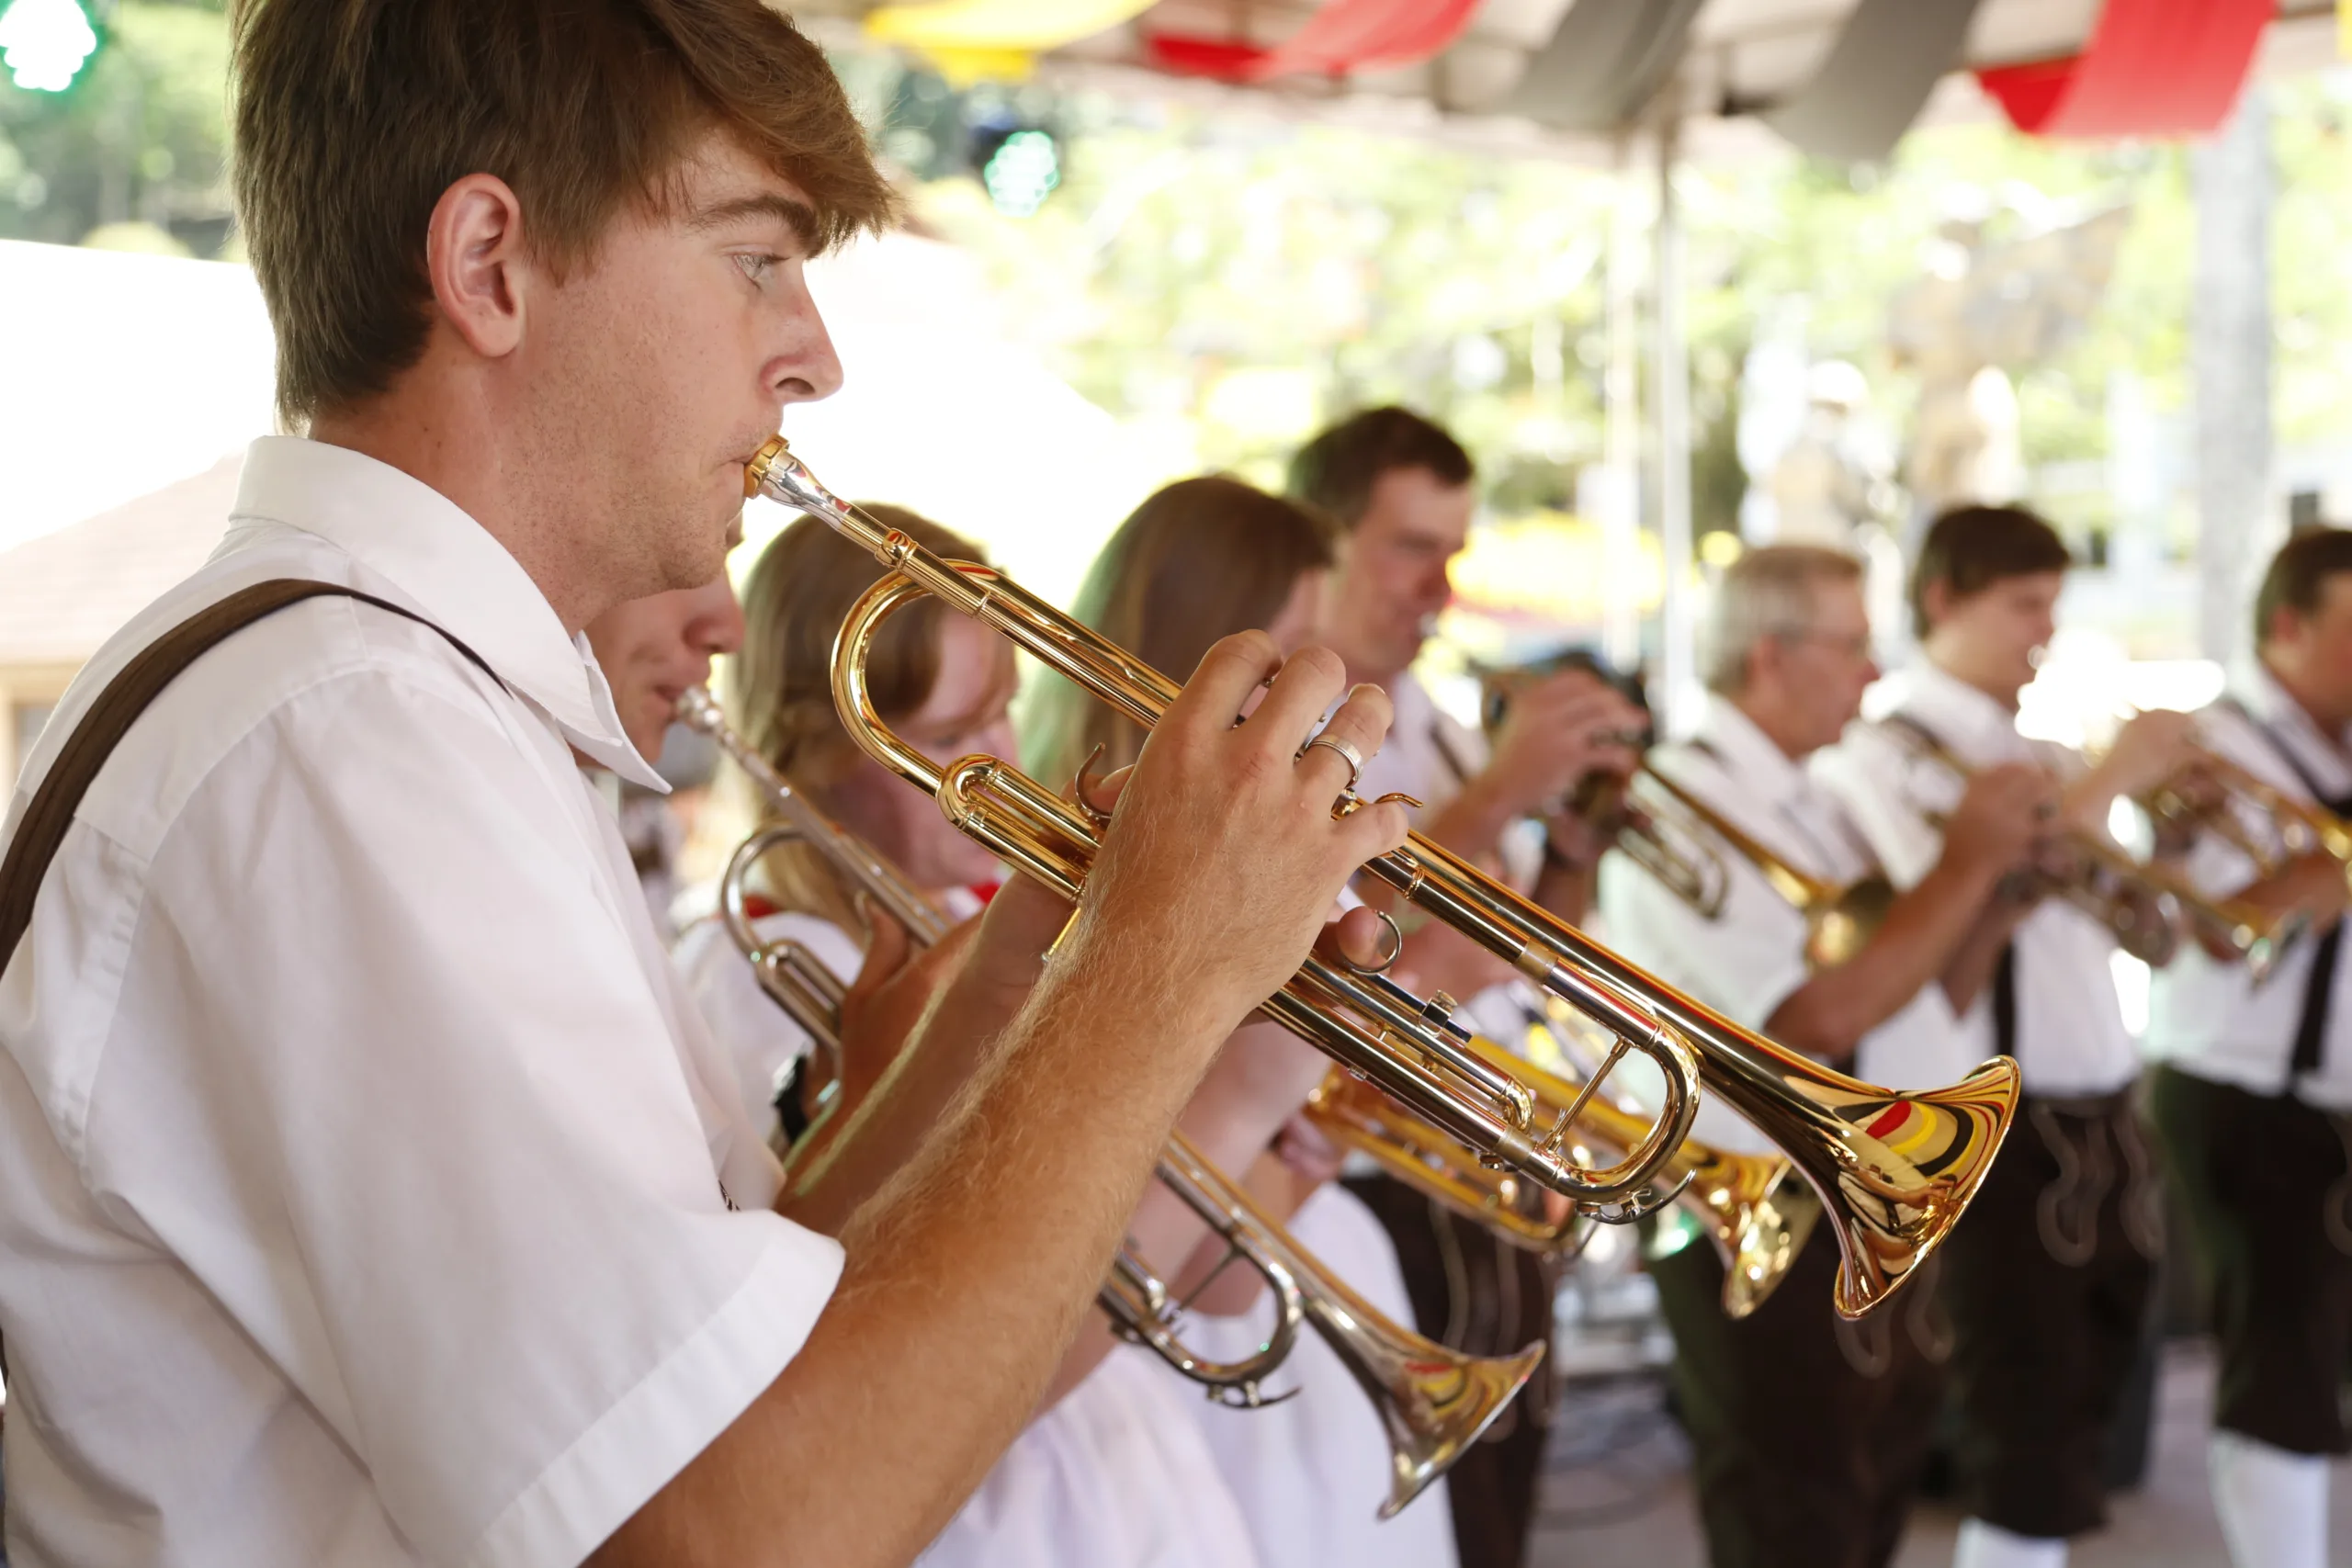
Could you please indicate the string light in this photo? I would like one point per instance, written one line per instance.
(1022, 172)
(44, 43)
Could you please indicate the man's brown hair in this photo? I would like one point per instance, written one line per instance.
(2296, 577)
(1335, 472)
(351, 117)
(1969, 548)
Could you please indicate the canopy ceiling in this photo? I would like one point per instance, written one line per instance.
(1722, 73)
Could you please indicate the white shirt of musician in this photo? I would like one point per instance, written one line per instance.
(2071, 1037)
(1310, 1472)
(1750, 959)
(1429, 754)
(2207, 1018)
(761, 1040)
(1115, 1475)
(365, 1181)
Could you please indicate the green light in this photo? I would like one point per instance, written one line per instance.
(44, 43)
(1022, 173)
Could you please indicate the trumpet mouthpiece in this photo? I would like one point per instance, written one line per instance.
(775, 473)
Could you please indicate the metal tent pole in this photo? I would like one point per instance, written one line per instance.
(1618, 496)
(1670, 419)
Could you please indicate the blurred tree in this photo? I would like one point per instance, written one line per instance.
(141, 138)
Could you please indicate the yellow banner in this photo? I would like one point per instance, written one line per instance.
(995, 39)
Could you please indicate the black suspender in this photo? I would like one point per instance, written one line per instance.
(2003, 997)
(2319, 987)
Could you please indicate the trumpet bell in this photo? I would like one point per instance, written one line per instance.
(1434, 1410)
(1755, 1208)
(1759, 1214)
(1433, 1402)
(1840, 926)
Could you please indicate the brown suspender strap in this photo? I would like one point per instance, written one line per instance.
(117, 707)
(110, 718)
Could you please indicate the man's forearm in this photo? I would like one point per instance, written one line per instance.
(846, 1157)
(1830, 1013)
(1972, 965)
(1472, 824)
(967, 1277)
(2085, 802)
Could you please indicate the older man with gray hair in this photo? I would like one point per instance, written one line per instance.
(1809, 1431)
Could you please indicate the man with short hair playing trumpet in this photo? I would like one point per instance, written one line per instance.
(1809, 1431)
(2254, 1081)
(2047, 1280)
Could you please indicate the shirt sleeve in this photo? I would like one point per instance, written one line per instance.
(1887, 797)
(759, 1037)
(1744, 965)
(430, 1141)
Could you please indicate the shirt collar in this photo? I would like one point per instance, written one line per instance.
(1748, 755)
(1971, 723)
(2274, 709)
(449, 570)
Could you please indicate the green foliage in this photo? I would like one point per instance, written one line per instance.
(1255, 280)
(141, 137)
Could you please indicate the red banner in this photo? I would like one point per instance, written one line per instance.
(2152, 68)
(1345, 36)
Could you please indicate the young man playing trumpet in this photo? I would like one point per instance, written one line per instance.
(367, 1192)
(1399, 487)
(2254, 1081)
(2047, 1279)
(1809, 1431)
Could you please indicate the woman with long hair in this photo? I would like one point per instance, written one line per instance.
(1112, 1471)
(1201, 559)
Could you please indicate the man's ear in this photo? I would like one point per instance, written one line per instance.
(474, 255)
(1935, 601)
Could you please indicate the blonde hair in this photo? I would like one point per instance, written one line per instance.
(780, 690)
(1200, 560)
(1768, 593)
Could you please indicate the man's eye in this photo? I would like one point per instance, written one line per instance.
(757, 267)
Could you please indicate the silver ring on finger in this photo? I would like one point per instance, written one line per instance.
(1347, 754)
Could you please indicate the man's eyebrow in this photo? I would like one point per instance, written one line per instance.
(799, 215)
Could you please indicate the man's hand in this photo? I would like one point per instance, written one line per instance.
(2150, 748)
(1223, 857)
(2000, 818)
(1554, 731)
(2310, 885)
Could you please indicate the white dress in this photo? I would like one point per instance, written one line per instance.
(1311, 1472)
(1116, 1475)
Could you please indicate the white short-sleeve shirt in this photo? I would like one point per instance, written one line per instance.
(1750, 958)
(2209, 1018)
(2071, 1036)
(364, 1179)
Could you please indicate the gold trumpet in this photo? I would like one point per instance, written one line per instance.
(1895, 1171)
(1756, 1209)
(1433, 1401)
(2298, 827)
(1839, 918)
(1355, 1115)
(2144, 905)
